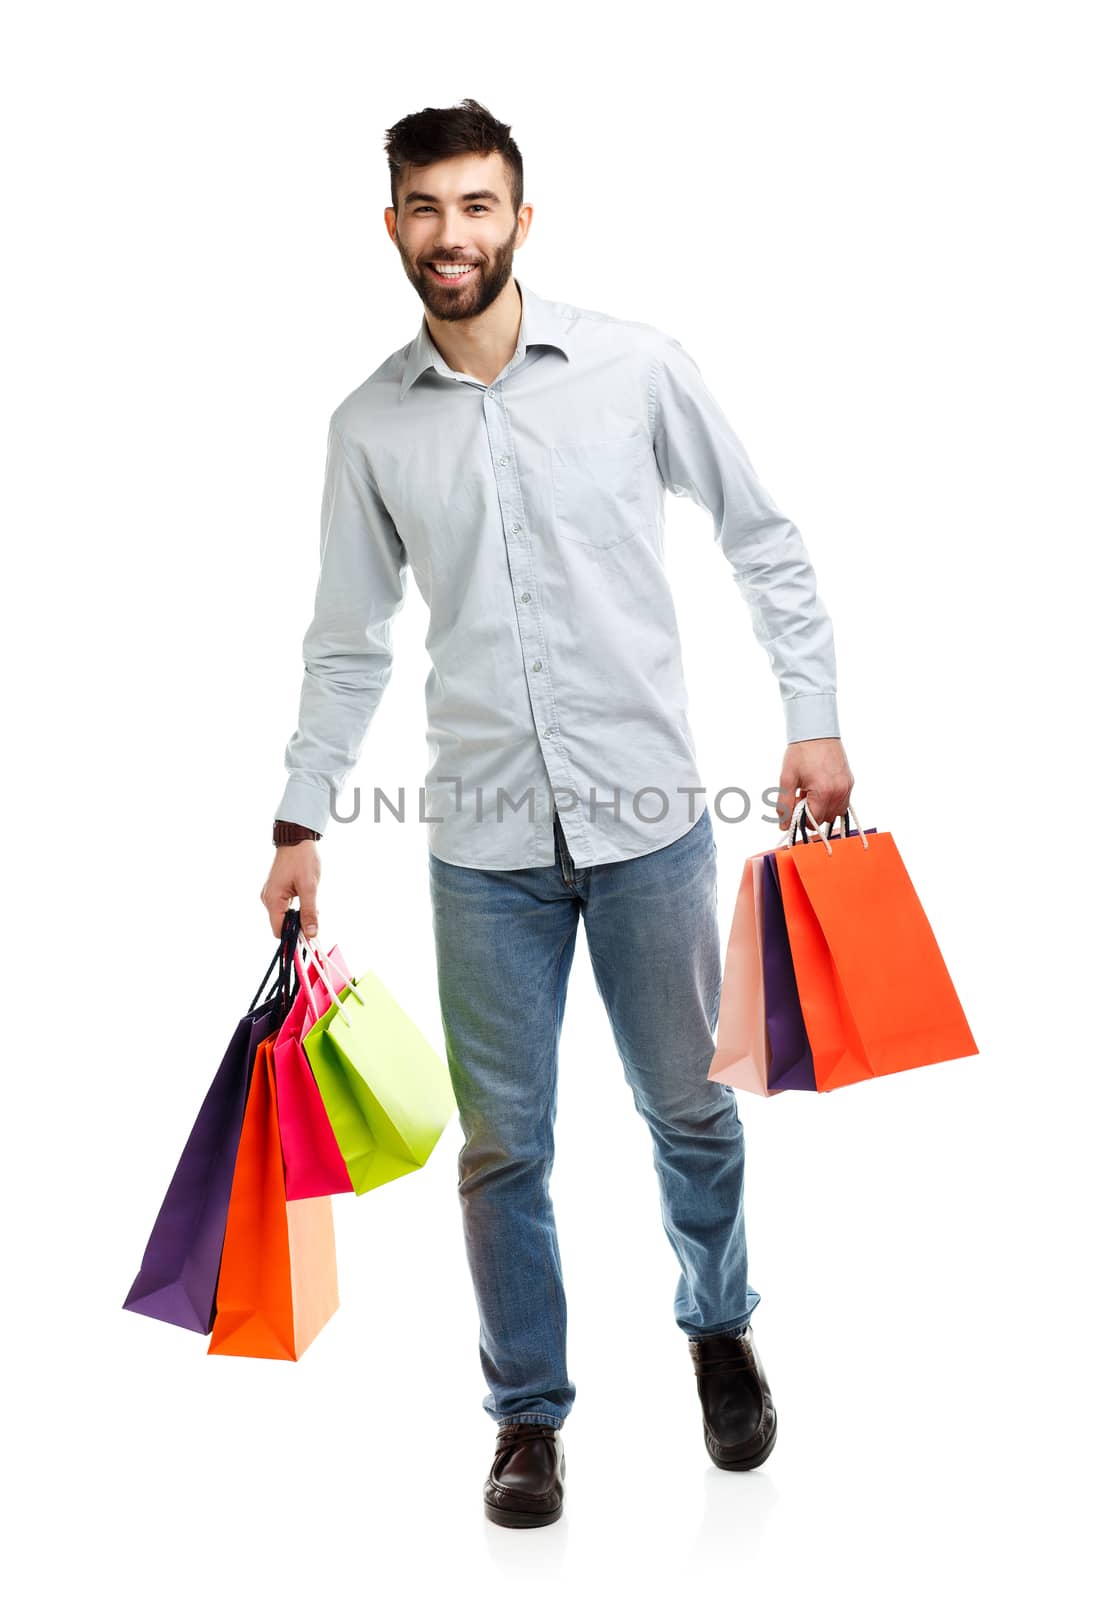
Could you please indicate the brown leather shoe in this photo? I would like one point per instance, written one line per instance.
(525, 1488)
(739, 1419)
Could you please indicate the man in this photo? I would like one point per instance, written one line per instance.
(514, 456)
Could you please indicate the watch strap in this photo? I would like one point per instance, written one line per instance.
(292, 832)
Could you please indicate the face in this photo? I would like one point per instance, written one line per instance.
(457, 212)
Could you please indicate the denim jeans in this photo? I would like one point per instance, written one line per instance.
(504, 942)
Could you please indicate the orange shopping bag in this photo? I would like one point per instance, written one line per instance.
(277, 1285)
(874, 990)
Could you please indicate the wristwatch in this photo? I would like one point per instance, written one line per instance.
(292, 833)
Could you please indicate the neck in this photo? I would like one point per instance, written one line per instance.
(480, 346)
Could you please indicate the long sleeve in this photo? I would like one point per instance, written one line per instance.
(699, 455)
(347, 649)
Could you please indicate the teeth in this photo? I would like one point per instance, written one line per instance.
(453, 272)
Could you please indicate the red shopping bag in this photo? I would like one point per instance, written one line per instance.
(277, 1285)
(874, 989)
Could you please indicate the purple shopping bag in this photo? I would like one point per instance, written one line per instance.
(790, 1063)
(789, 1055)
(176, 1281)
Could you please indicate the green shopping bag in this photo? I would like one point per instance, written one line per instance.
(387, 1093)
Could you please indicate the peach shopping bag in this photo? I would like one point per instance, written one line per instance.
(741, 1053)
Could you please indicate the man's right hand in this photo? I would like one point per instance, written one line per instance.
(296, 871)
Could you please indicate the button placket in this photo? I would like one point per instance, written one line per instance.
(524, 580)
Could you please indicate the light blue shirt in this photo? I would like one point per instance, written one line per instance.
(530, 512)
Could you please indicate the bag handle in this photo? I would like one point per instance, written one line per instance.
(802, 807)
(292, 976)
(306, 983)
(319, 957)
(844, 820)
(800, 813)
(282, 958)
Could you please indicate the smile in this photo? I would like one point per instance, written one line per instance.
(452, 274)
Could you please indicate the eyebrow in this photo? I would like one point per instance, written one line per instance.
(472, 194)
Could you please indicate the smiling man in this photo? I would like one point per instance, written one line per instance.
(514, 457)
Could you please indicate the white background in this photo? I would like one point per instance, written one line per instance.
(879, 231)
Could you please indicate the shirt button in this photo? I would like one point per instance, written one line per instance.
(502, 460)
(548, 733)
(527, 597)
(517, 527)
(536, 666)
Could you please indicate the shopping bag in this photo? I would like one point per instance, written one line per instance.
(762, 1043)
(387, 1092)
(277, 1286)
(790, 1065)
(311, 1157)
(176, 1281)
(874, 990)
(741, 1046)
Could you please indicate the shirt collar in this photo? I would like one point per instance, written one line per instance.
(541, 324)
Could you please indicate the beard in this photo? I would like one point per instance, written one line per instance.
(456, 302)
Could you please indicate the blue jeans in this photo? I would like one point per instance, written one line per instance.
(504, 943)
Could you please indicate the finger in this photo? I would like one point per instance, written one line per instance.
(819, 802)
(838, 805)
(308, 904)
(275, 910)
(785, 803)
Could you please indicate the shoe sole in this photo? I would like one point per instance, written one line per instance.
(744, 1463)
(507, 1518)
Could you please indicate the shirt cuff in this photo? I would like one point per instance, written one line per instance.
(808, 716)
(306, 803)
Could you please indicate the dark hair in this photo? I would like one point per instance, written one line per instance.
(436, 132)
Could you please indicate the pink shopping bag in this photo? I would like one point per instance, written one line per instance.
(311, 1157)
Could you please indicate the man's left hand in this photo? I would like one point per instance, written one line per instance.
(818, 769)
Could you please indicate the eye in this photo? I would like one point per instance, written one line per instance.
(475, 205)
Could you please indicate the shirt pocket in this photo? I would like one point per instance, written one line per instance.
(598, 490)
